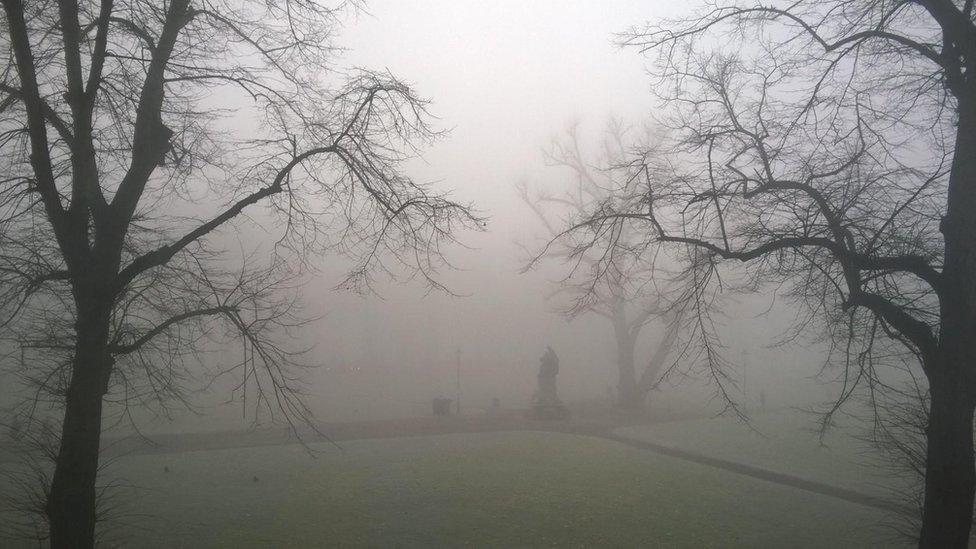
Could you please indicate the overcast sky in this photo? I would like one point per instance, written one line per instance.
(505, 76)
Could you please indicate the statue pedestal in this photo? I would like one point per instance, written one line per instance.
(549, 411)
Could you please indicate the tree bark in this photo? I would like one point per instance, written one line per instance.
(71, 503)
(949, 476)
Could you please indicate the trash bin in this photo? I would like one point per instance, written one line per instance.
(442, 406)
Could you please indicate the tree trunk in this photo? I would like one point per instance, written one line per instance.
(949, 475)
(651, 373)
(629, 395)
(72, 499)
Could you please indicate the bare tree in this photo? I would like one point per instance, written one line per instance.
(616, 285)
(134, 136)
(833, 153)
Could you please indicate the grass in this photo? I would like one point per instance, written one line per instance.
(496, 490)
(784, 441)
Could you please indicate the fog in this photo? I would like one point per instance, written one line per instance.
(505, 79)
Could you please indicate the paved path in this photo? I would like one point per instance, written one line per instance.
(764, 474)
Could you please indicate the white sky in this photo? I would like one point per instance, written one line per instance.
(505, 76)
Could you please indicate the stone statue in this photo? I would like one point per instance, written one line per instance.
(546, 403)
(548, 369)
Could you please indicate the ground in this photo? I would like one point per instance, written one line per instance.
(784, 441)
(486, 489)
(501, 482)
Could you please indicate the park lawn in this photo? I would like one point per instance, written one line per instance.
(499, 489)
(785, 441)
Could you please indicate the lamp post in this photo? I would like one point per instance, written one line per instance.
(458, 388)
(745, 378)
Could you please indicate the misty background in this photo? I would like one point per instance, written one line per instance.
(505, 78)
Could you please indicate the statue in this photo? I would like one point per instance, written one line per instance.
(548, 369)
(546, 403)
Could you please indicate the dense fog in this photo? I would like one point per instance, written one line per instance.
(273, 261)
(388, 353)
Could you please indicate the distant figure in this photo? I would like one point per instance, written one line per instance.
(165, 468)
(254, 478)
(546, 400)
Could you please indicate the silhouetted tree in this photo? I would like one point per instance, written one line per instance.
(620, 291)
(133, 134)
(834, 152)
